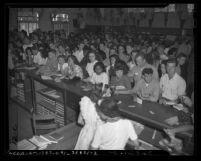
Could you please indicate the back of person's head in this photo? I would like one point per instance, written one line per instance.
(180, 55)
(147, 71)
(28, 49)
(34, 47)
(95, 95)
(43, 53)
(109, 107)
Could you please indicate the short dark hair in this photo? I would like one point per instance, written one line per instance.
(147, 71)
(109, 107)
(140, 54)
(115, 56)
(181, 55)
(34, 47)
(62, 56)
(52, 51)
(28, 48)
(172, 60)
(121, 65)
(101, 65)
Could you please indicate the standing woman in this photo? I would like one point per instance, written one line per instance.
(73, 69)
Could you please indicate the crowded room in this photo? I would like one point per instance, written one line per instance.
(102, 79)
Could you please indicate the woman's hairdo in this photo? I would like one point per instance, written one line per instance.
(101, 65)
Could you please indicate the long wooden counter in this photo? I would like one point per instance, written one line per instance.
(140, 113)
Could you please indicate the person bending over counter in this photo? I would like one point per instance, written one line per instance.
(147, 88)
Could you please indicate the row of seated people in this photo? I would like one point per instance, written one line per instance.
(147, 70)
(149, 53)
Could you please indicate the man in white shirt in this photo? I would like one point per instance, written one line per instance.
(171, 84)
(115, 132)
(79, 53)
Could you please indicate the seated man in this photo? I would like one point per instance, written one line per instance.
(141, 62)
(51, 64)
(171, 84)
(147, 88)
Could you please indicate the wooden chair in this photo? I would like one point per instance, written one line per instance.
(43, 122)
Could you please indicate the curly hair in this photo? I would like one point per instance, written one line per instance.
(121, 65)
(100, 64)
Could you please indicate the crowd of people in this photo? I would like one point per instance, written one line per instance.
(154, 67)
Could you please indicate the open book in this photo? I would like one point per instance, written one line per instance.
(39, 141)
(25, 145)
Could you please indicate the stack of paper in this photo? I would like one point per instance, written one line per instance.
(46, 77)
(53, 138)
(52, 93)
(25, 145)
(40, 142)
(20, 92)
(56, 136)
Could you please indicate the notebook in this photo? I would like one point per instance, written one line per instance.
(56, 136)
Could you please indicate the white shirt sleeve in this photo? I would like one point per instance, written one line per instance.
(35, 60)
(131, 131)
(97, 138)
(58, 67)
(105, 79)
(181, 87)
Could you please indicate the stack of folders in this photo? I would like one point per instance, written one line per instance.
(60, 108)
(48, 103)
(20, 92)
(59, 119)
(25, 145)
(52, 93)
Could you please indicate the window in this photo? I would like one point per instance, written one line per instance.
(190, 8)
(171, 8)
(60, 21)
(28, 21)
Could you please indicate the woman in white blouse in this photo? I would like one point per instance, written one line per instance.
(99, 76)
(90, 65)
